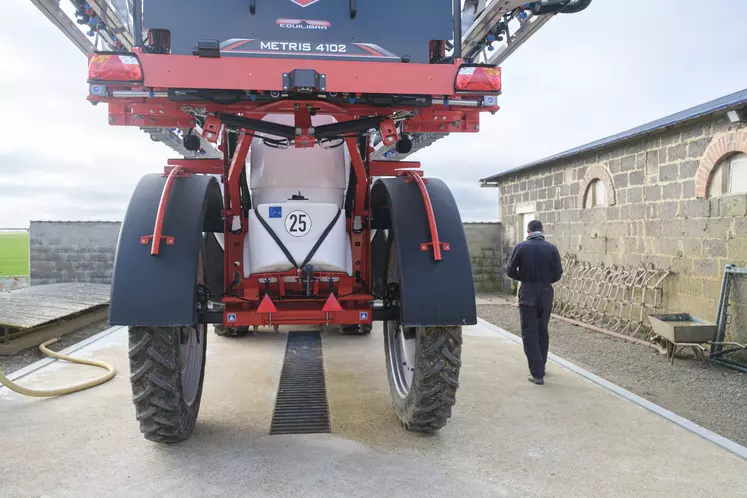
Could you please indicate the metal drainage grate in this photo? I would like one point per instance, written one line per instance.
(301, 405)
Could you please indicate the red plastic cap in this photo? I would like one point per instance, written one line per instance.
(115, 67)
(332, 304)
(267, 306)
(479, 79)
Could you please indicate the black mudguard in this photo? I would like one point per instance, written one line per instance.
(431, 293)
(160, 290)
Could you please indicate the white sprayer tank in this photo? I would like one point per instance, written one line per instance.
(298, 193)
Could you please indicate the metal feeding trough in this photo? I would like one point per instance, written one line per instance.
(683, 329)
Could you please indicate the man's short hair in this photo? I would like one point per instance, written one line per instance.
(534, 226)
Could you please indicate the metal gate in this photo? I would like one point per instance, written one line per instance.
(732, 286)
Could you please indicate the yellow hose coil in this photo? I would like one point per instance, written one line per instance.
(111, 372)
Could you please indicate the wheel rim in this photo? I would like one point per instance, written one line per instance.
(401, 356)
(190, 353)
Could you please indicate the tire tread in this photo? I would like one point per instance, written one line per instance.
(156, 384)
(433, 393)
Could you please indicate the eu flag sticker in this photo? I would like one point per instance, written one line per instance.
(276, 212)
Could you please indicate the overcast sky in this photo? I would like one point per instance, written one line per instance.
(617, 65)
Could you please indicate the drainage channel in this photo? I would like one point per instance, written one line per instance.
(301, 404)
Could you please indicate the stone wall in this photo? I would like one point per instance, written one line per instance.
(72, 251)
(84, 252)
(485, 243)
(655, 212)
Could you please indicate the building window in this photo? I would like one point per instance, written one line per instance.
(596, 195)
(596, 189)
(729, 176)
(723, 168)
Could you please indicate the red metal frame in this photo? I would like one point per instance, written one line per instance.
(280, 298)
(204, 166)
(233, 207)
(435, 242)
(390, 168)
(451, 116)
(264, 74)
(158, 228)
(444, 121)
(153, 113)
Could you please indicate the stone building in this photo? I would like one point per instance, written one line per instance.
(672, 192)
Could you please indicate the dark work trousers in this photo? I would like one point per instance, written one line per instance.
(535, 306)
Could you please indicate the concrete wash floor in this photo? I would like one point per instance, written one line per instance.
(507, 437)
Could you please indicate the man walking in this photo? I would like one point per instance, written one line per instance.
(536, 264)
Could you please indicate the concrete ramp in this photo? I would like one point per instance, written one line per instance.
(507, 437)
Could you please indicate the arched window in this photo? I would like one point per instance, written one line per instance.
(729, 176)
(596, 189)
(596, 195)
(723, 167)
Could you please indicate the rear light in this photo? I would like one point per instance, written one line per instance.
(115, 67)
(478, 79)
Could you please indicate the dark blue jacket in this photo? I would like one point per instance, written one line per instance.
(535, 260)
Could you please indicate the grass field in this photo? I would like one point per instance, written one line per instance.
(14, 254)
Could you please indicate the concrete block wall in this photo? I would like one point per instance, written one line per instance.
(84, 252)
(485, 244)
(654, 214)
(72, 251)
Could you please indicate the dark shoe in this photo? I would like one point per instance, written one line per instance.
(536, 380)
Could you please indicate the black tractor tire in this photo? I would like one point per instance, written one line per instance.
(165, 414)
(167, 370)
(424, 402)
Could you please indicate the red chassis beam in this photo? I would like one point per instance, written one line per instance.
(288, 308)
(297, 314)
(261, 74)
(440, 118)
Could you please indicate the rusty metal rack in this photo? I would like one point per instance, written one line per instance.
(616, 298)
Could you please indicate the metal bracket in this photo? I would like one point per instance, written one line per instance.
(304, 81)
(444, 246)
(208, 48)
(446, 121)
(145, 239)
(211, 130)
(389, 133)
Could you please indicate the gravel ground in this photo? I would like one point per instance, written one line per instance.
(709, 395)
(9, 364)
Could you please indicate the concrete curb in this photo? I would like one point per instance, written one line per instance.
(725, 443)
(68, 351)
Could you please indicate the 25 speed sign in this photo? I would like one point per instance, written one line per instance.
(298, 223)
